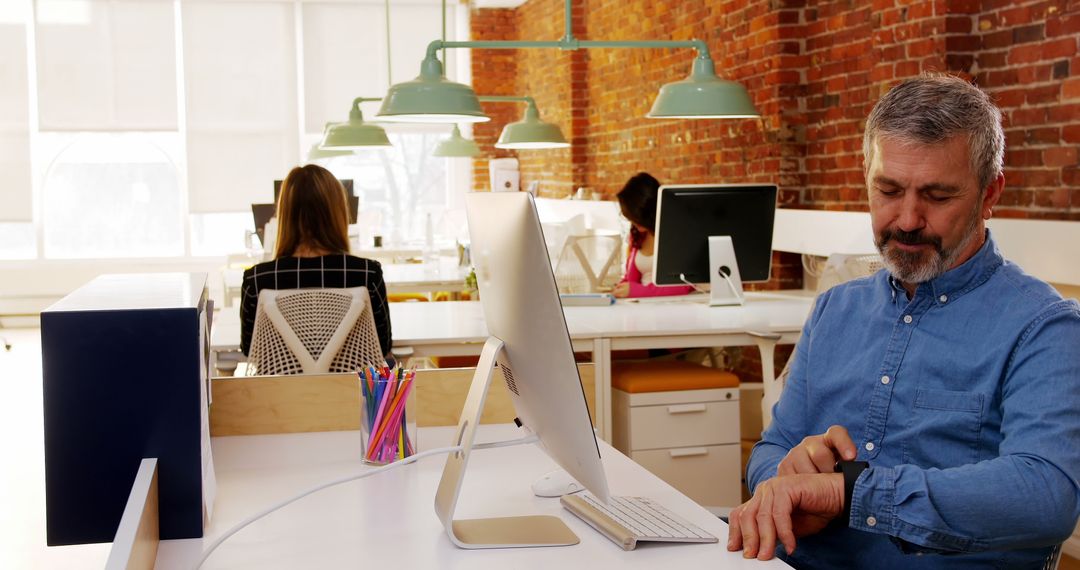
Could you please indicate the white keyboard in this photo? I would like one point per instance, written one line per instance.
(628, 520)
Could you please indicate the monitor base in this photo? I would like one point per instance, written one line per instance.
(725, 283)
(500, 532)
(513, 532)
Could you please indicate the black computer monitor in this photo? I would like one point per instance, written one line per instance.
(263, 212)
(347, 183)
(687, 215)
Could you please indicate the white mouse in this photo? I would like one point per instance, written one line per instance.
(556, 484)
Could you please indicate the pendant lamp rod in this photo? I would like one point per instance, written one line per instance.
(389, 62)
(569, 34)
(506, 98)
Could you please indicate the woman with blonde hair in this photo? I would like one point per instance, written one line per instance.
(313, 251)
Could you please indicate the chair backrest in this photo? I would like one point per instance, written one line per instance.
(313, 331)
(588, 263)
(841, 268)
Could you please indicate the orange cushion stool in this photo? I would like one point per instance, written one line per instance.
(668, 375)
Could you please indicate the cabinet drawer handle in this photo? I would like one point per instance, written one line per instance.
(688, 452)
(686, 409)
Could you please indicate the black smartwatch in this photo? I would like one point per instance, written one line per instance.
(851, 471)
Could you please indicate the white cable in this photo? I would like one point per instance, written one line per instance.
(507, 443)
(682, 277)
(730, 284)
(366, 473)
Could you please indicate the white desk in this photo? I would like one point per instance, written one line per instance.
(444, 274)
(388, 521)
(457, 328)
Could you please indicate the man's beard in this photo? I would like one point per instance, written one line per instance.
(922, 266)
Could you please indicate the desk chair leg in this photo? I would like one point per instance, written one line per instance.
(766, 344)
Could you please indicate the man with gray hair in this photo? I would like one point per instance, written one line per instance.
(931, 417)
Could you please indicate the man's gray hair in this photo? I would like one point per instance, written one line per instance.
(932, 108)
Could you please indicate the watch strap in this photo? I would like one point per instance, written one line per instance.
(851, 471)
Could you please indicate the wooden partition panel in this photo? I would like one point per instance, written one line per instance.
(331, 402)
(442, 395)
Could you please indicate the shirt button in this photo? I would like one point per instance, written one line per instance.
(907, 319)
(871, 521)
(869, 446)
(884, 379)
(943, 298)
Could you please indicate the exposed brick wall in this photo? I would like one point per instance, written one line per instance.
(1028, 59)
(814, 70)
(494, 72)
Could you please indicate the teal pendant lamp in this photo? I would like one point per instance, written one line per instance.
(456, 146)
(530, 132)
(355, 134)
(431, 98)
(703, 95)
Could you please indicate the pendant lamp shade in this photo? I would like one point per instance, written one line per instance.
(317, 152)
(355, 134)
(703, 95)
(531, 133)
(431, 98)
(456, 146)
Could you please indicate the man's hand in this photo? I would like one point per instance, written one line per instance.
(622, 290)
(785, 508)
(819, 453)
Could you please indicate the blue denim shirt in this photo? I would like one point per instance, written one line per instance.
(965, 399)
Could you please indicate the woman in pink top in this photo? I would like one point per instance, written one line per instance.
(637, 200)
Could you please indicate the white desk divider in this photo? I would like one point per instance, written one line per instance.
(136, 543)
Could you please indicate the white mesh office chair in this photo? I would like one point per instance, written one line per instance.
(311, 331)
(586, 262)
(839, 268)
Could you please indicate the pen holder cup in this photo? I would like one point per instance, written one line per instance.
(387, 419)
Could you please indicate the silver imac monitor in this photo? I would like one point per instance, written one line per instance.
(530, 349)
(715, 233)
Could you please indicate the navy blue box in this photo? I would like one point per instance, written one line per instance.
(122, 360)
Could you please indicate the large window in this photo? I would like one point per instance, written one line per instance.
(112, 195)
(147, 128)
(399, 186)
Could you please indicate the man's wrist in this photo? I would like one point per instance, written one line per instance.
(850, 471)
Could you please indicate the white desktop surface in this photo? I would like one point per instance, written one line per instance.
(442, 274)
(462, 322)
(763, 312)
(389, 521)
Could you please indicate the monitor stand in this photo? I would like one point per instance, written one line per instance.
(724, 280)
(501, 532)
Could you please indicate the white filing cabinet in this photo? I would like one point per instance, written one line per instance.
(689, 438)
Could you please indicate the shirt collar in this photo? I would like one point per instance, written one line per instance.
(956, 282)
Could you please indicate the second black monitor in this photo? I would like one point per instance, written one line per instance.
(354, 200)
(687, 215)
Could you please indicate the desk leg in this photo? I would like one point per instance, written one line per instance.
(767, 346)
(602, 362)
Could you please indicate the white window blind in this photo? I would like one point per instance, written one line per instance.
(16, 195)
(344, 58)
(106, 65)
(241, 95)
(345, 53)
